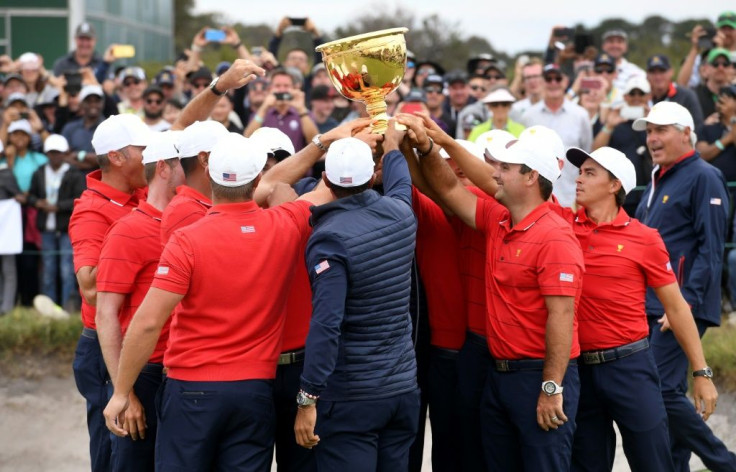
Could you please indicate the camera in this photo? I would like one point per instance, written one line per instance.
(705, 41)
(285, 96)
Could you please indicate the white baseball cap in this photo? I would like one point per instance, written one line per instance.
(610, 159)
(666, 113)
(29, 61)
(473, 148)
(500, 95)
(637, 82)
(275, 142)
(545, 137)
(55, 142)
(349, 162)
(120, 131)
(20, 125)
(88, 90)
(200, 136)
(535, 155)
(17, 97)
(161, 147)
(494, 141)
(236, 160)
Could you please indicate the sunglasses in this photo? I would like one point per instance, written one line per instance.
(494, 77)
(200, 84)
(499, 104)
(128, 83)
(153, 101)
(433, 89)
(478, 87)
(603, 70)
(553, 78)
(636, 93)
(724, 64)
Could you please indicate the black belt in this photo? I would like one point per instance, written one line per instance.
(476, 338)
(444, 353)
(89, 333)
(522, 364)
(608, 355)
(150, 368)
(291, 357)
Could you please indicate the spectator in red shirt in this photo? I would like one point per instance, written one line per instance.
(128, 260)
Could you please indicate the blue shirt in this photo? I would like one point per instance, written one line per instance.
(79, 137)
(25, 166)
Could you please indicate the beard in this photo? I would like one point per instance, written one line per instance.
(152, 115)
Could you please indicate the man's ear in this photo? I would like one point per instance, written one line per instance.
(203, 158)
(116, 158)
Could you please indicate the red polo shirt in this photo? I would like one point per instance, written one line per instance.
(437, 257)
(538, 257)
(298, 305)
(622, 258)
(184, 209)
(94, 212)
(128, 261)
(234, 268)
(472, 266)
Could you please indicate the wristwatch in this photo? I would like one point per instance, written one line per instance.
(550, 387)
(316, 141)
(305, 399)
(214, 89)
(706, 372)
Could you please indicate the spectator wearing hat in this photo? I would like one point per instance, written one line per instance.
(131, 94)
(199, 80)
(319, 76)
(690, 71)
(361, 399)
(458, 97)
(659, 75)
(18, 108)
(8, 273)
(495, 75)
(433, 87)
(424, 69)
(54, 187)
(689, 206)
(615, 43)
(197, 262)
(284, 108)
(533, 85)
(153, 109)
(128, 260)
(79, 132)
(252, 99)
(604, 67)
(166, 81)
(721, 74)
(112, 192)
(499, 103)
(618, 133)
(84, 55)
(569, 120)
(321, 99)
(479, 63)
(35, 76)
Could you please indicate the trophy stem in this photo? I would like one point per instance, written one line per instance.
(376, 107)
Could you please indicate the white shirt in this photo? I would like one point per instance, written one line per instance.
(626, 70)
(53, 183)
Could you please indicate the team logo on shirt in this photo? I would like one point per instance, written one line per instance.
(620, 248)
(518, 252)
(162, 270)
(321, 267)
(665, 198)
(248, 229)
(565, 277)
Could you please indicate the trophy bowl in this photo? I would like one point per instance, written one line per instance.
(366, 68)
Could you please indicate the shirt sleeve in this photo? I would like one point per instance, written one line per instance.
(396, 177)
(178, 217)
(174, 271)
(656, 263)
(560, 266)
(326, 261)
(87, 231)
(120, 262)
(488, 212)
(299, 213)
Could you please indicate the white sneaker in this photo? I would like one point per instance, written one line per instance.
(46, 307)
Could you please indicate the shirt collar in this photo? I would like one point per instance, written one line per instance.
(621, 219)
(187, 191)
(232, 208)
(95, 183)
(663, 169)
(149, 210)
(529, 220)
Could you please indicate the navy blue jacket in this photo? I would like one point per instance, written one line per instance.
(688, 205)
(359, 259)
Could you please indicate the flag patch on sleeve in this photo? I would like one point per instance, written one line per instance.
(715, 201)
(669, 266)
(248, 229)
(321, 267)
(162, 270)
(565, 277)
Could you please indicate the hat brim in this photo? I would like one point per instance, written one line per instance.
(723, 23)
(577, 156)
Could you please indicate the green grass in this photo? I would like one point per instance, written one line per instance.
(719, 346)
(23, 331)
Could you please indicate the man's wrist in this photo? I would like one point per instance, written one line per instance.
(195, 48)
(428, 149)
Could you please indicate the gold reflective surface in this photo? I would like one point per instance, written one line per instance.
(366, 68)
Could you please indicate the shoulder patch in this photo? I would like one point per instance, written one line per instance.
(321, 267)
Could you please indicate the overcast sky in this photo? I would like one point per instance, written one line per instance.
(508, 29)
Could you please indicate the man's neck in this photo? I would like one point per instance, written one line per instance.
(159, 194)
(135, 103)
(715, 85)
(153, 121)
(200, 182)
(82, 59)
(436, 111)
(521, 209)
(116, 181)
(89, 121)
(535, 97)
(661, 92)
(554, 103)
(602, 212)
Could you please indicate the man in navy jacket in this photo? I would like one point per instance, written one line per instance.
(687, 201)
(360, 367)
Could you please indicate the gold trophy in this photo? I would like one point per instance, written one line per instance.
(367, 67)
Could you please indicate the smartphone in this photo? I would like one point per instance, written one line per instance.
(285, 96)
(24, 115)
(705, 41)
(298, 21)
(123, 51)
(582, 41)
(590, 84)
(566, 33)
(73, 82)
(214, 35)
(631, 113)
(256, 50)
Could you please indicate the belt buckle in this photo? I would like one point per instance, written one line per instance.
(502, 366)
(592, 357)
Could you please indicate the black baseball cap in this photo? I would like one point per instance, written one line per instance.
(658, 61)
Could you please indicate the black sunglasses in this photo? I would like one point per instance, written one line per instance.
(153, 101)
(724, 64)
(128, 83)
(494, 77)
(478, 87)
(637, 93)
(553, 78)
(603, 70)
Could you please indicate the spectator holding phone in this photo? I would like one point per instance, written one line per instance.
(84, 55)
(720, 74)
(18, 108)
(703, 39)
(716, 141)
(79, 132)
(284, 108)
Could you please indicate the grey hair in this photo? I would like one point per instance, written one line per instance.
(693, 136)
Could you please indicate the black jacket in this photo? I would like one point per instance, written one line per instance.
(72, 185)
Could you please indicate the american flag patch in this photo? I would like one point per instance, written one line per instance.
(669, 266)
(229, 176)
(321, 267)
(715, 201)
(162, 270)
(346, 180)
(564, 277)
(248, 229)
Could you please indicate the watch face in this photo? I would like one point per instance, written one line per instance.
(708, 372)
(549, 388)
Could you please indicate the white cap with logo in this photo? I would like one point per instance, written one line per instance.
(535, 155)
(275, 141)
(473, 148)
(494, 141)
(88, 90)
(610, 159)
(55, 142)
(20, 125)
(200, 136)
(161, 147)
(120, 131)
(545, 137)
(236, 160)
(666, 113)
(349, 162)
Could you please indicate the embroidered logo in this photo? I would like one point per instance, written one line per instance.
(565, 277)
(518, 252)
(620, 248)
(665, 198)
(668, 266)
(162, 270)
(248, 229)
(321, 267)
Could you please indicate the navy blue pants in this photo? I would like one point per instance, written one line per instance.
(512, 439)
(625, 391)
(133, 456)
(91, 377)
(688, 431)
(441, 396)
(473, 363)
(290, 457)
(366, 435)
(221, 426)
